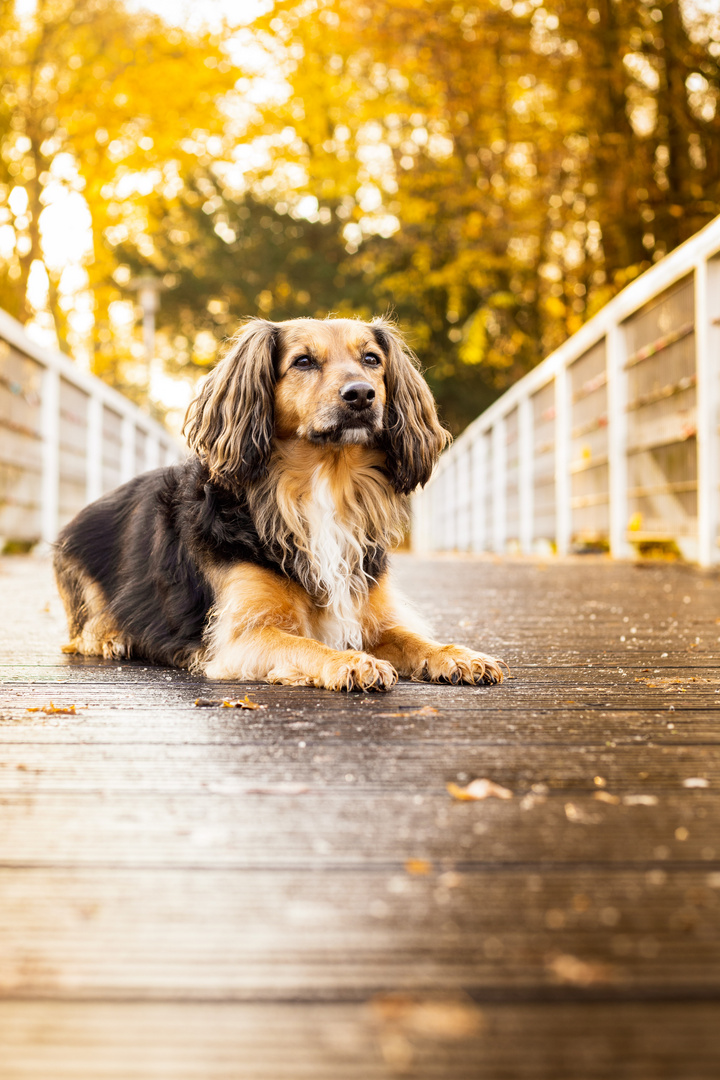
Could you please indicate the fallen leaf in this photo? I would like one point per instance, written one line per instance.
(214, 703)
(243, 703)
(571, 969)
(530, 801)
(605, 796)
(578, 816)
(418, 867)
(451, 1016)
(478, 789)
(68, 710)
(640, 800)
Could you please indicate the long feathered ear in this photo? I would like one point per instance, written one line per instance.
(230, 423)
(413, 437)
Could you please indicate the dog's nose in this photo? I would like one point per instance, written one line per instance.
(358, 395)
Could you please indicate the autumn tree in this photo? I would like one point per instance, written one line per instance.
(104, 107)
(537, 157)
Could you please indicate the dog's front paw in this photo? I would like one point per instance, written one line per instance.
(357, 671)
(456, 664)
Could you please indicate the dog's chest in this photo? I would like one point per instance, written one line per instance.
(337, 563)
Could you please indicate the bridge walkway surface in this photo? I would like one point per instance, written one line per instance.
(196, 893)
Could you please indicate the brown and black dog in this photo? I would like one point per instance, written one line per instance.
(264, 555)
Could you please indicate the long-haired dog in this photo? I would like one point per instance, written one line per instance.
(264, 555)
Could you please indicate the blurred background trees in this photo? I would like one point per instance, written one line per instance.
(492, 171)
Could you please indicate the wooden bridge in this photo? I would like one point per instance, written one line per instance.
(293, 892)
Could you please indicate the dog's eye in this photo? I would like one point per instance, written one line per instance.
(304, 363)
(371, 360)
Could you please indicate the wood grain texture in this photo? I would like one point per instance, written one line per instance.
(292, 892)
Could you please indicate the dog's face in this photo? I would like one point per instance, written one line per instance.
(332, 382)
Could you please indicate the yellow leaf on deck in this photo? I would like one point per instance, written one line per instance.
(418, 867)
(51, 709)
(479, 789)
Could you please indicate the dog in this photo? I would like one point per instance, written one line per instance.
(263, 557)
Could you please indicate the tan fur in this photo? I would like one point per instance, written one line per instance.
(365, 502)
(265, 628)
(304, 401)
(92, 631)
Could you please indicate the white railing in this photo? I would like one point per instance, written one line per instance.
(612, 441)
(65, 438)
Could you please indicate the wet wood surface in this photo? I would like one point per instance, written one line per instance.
(292, 891)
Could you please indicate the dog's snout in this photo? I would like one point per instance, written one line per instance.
(358, 395)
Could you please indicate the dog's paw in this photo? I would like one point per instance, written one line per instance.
(456, 664)
(357, 671)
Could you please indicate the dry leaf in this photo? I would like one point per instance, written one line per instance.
(605, 796)
(571, 969)
(68, 710)
(418, 867)
(214, 703)
(451, 1016)
(640, 800)
(478, 789)
(579, 816)
(243, 703)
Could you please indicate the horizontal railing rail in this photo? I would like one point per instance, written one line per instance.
(65, 438)
(612, 442)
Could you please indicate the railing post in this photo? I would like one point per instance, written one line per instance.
(478, 525)
(50, 491)
(525, 474)
(707, 345)
(499, 471)
(94, 449)
(418, 511)
(152, 451)
(563, 509)
(462, 511)
(127, 449)
(617, 391)
(450, 505)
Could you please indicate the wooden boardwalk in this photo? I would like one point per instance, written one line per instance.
(203, 893)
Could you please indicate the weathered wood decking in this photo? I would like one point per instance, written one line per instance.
(292, 893)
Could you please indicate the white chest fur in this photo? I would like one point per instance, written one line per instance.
(337, 558)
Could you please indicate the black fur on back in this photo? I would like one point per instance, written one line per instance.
(146, 544)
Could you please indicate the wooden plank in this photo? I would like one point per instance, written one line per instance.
(366, 1041)
(226, 935)
(350, 826)
(351, 919)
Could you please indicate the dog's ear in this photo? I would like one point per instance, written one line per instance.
(231, 422)
(413, 437)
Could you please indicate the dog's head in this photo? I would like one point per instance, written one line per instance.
(332, 382)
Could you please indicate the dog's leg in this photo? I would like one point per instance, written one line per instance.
(262, 630)
(92, 630)
(270, 654)
(422, 658)
(400, 636)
